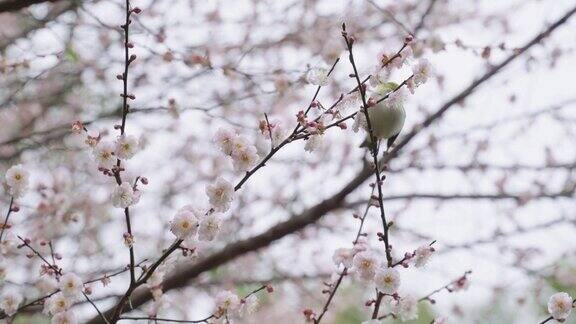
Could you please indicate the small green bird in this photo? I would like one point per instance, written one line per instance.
(387, 118)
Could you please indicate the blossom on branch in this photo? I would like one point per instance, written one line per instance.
(71, 285)
(387, 280)
(9, 302)
(184, 224)
(17, 179)
(125, 196)
(126, 147)
(560, 306)
(220, 194)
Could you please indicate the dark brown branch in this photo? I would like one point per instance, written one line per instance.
(14, 5)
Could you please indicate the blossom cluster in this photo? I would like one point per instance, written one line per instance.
(192, 223)
(58, 305)
(229, 305)
(244, 155)
(367, 266)
(107, 153)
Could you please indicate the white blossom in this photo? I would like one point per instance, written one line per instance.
(359, 121)
(278, 134)
(8, 244)
(227, 303)
(422, 71)
(57, 303)
(209, 228)
(313, 143)
(126, 146)
(317, 76)
(387, 280)
(220, 194)
(224, 139)
(124, 196)
(406, 308)
(17, 179)
(67, 317)
(360, 245)
(239, 144)
(71, 285)
(350, 101)
(560, 306)
(245, 159)
(343, 256)
(365, 265)
(9, 302)
(396, 98)
(422, 255)
(104, 154)
(184, 224)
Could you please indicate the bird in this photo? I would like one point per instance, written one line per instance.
(387, 120)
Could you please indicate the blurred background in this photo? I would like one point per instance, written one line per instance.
(491, 181)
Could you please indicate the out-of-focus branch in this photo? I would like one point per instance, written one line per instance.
(14, 5)
(496, 196)
(34, 24)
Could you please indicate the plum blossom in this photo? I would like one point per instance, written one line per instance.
(71, 285)
(365, 264)
(227, 303)
(278, 134)
(245, 159)
(360, 245)
(104, 154)
(313, 143)
(126, 147)
(220, 194)
(184, 224)
(343, 256)
(9, 302)
(17, 179)
(125, 196)
(359, 121)
(350, 101)
(560, 306)
(8, 243)
(57, 303)
(239, 144)
(209, 228)
(67, 317)
(387, 280)
(406, 308)
(224, 139)
(422, 255)
(421, 72)
(317, 76)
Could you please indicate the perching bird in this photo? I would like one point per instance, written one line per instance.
(387, 119)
